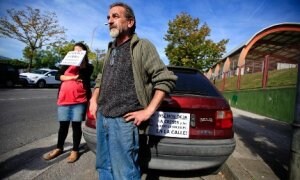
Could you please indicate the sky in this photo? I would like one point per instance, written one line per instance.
(236, 20)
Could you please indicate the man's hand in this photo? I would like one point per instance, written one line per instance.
(93, 109)
(143, 115)
(93, 106)
(138, 116)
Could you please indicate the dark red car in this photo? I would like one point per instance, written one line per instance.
(192, 129)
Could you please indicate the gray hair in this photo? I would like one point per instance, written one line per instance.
(129, 14)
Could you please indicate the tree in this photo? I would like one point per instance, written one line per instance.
(33, 28)
(47, 58)
(64, 47)
(98, 63)
(14, 62)
(188, 44)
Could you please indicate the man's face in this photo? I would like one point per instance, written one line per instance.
(118, 23)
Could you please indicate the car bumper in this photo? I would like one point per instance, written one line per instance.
(176, 154)
(89, 135)
(183, 154)
(23, 81)
(26, 81)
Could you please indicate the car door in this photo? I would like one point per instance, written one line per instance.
(50, 78)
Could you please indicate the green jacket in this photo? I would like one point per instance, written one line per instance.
(149, 71)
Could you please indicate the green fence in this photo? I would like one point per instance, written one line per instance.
(277, 103)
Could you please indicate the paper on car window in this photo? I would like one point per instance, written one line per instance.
(170, 124)
(73, 58)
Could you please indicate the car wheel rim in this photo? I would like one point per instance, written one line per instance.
(41, 84)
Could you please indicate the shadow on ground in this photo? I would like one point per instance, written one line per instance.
(275, 152)
(33, 160)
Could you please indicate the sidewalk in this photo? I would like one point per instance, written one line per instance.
(246, 161)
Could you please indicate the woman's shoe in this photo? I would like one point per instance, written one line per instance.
(74, 155)
(53, 154)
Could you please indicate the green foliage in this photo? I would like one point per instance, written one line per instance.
(98, 65)
(63, 48)
(188, 44)
(46, 58)
(16, 63)
(42, 57)
(98, 62)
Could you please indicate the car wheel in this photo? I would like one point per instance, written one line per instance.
(41, 84)
(24, 84)
(9, 83)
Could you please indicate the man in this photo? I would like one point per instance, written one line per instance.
(132, 85)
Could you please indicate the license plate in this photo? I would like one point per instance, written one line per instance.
(170, 124)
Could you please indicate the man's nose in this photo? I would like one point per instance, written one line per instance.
(109, 20)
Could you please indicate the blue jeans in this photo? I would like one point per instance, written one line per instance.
(117, 149)
(73, 112)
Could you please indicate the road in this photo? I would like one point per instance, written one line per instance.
(263, 146)
(26, 116)
(28, 130)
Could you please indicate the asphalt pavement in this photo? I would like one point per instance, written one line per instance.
(264, 153)
(247, 162)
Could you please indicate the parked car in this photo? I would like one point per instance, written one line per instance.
(191, 130)
(39, 78)
(9, 75)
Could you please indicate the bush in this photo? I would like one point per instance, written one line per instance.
(16, 63)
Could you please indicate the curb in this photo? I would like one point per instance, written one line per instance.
(233, 170)
(228, 172)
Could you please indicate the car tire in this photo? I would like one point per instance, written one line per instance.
(24, 84)
(41, 84)
(9, 83)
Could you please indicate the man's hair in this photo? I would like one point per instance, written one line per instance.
(129, 14)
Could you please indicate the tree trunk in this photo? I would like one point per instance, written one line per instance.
(31, 59)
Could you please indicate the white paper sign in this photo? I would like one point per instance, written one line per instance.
(170, 124)
(73, 58)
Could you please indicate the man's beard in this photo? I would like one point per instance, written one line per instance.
(114, 32)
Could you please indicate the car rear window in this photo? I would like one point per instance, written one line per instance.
(193, 82)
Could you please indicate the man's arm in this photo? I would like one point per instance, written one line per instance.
(94, 102)
(143, 115)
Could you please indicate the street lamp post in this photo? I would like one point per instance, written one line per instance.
(93, 34)
(294, 170)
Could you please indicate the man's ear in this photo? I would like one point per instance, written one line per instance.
(130, 23)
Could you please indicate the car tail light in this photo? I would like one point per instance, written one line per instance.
(210, 124)
(224, 119)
